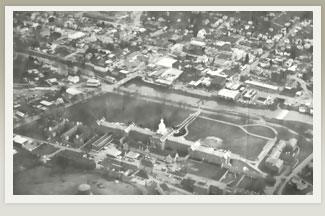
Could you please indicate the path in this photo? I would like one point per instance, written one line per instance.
(294, 172)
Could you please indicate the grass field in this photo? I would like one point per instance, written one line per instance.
(34, 130)
(234, 139)
(45, 149)
(46, 181)
(260, 130)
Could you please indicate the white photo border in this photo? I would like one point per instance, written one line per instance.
(10, 198)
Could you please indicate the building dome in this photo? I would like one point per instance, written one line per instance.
(162, 129)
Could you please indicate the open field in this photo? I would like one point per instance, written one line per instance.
(260, 130)
(45, 149)
(234, 138)
(46, 181)
(23, 159)
(34, 130)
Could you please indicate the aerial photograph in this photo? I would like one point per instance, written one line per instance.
(162, 103)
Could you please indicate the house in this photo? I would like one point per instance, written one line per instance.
(274, 164)
(293, 143)
(169, 159)
(201, 34)
(168, 63)
(73, 79)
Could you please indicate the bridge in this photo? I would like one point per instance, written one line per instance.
(185, 123)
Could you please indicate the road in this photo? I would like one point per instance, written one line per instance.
(294, 172)
(60, 147)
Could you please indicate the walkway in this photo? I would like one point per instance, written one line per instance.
(50, 143)
(294, 172)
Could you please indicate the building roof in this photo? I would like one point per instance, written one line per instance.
(132, 154)
(142, 174)
(19, 139)
(46, 103)
(198, 43)
(76, 35)
(166, 62)
(263, 85)
(218, 80)
(73, 79)
(113, 152)
(73, 91)
(228, 93)
(275, 162)
(159, 151)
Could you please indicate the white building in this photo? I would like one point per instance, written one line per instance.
(201, 34)
(166, 62)
(228, 94)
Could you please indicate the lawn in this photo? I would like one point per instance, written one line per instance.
(34, 130)
(260, 130)
(52, 181)
(234, 139)
(251, 184)
(246, 183)
(45, 149)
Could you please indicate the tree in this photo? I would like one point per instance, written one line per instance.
(293, 53)
(51, 19)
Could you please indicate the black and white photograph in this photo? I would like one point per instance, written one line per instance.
(163, 104)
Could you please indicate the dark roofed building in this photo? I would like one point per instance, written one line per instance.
(188, 184)
(215, 190)
(146, 165)
(159, 153)
(218, 82)
(142, 174)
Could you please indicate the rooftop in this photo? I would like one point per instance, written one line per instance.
(166, 62)
(228, 93)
